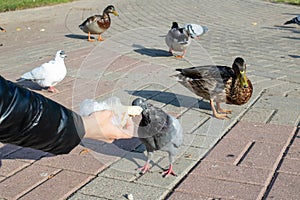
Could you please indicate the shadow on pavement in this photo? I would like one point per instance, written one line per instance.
(76, 36)
(153, 52)
(177, 100)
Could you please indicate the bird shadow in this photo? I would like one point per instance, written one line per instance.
(130, 149)
(76, 36)
(152, 52)
(292, 14)
(30, 85)
(292, 38)
(177, 100)
(294, 56)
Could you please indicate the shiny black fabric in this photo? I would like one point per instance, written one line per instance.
(31, 120)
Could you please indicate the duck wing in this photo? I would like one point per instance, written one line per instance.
(206, 81)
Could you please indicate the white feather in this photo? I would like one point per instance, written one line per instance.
(50, 73)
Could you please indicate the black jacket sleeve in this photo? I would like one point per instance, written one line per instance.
(31, 120)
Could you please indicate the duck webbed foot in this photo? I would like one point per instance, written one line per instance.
(100, 38)
(221, 113)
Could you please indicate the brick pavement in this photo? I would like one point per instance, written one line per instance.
(254, 155)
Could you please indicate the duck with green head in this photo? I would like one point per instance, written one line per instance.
(218, 84)
(98, 24)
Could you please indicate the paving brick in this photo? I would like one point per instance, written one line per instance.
(79, 196)
(189, 125)
(227, 151)
(2, 178)
(122, 62)
(290, 166)
(190, 152)
(262, 155)
(190, 196)
(64, 183)
(200, 141)
(214, 187)
(25, 180)
(261, 132)
(231, 172)
(26, 155)
(294, 150)
(9, 167)
(259, 115)
(127, 168)
(181, 167)
(79, 163)
(102, 187)
(285, 186)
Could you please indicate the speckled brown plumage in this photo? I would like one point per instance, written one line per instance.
(218, 84)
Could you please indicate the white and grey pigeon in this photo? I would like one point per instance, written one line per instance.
(295, 20)
(195, 30)
(178, 39)
(48, 74)
(158, 131)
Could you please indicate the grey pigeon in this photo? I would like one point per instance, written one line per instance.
(178, 39)
(158, 131)
(48, 74)
(295, 20)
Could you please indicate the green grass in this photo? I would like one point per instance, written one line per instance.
(8, 5)
(294, 2)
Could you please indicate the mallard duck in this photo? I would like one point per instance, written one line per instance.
(178, 39)
(2, 29)
(98, 24)
(218, 84)
(295, 20)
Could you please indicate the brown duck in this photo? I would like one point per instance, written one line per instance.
(98, 24)
(218, 84)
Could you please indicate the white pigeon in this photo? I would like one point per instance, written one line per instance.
(178, 39)
(195, 30)
(48, 74)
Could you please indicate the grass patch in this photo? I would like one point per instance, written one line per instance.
(9, 5)
(294, 2)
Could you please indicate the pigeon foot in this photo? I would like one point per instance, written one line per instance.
(169, 171)
(145, 168)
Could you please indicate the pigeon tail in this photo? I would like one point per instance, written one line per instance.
(289, 22)
(295, 20)
(26, 76)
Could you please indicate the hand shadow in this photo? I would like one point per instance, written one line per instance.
(177, 100)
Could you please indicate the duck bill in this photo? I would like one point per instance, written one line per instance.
(116, 13)
(243, 79)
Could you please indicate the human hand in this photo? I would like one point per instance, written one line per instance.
(99, 126)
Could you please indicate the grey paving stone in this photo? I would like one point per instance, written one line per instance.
(102, 187)
(181, 168)
(79, 196)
